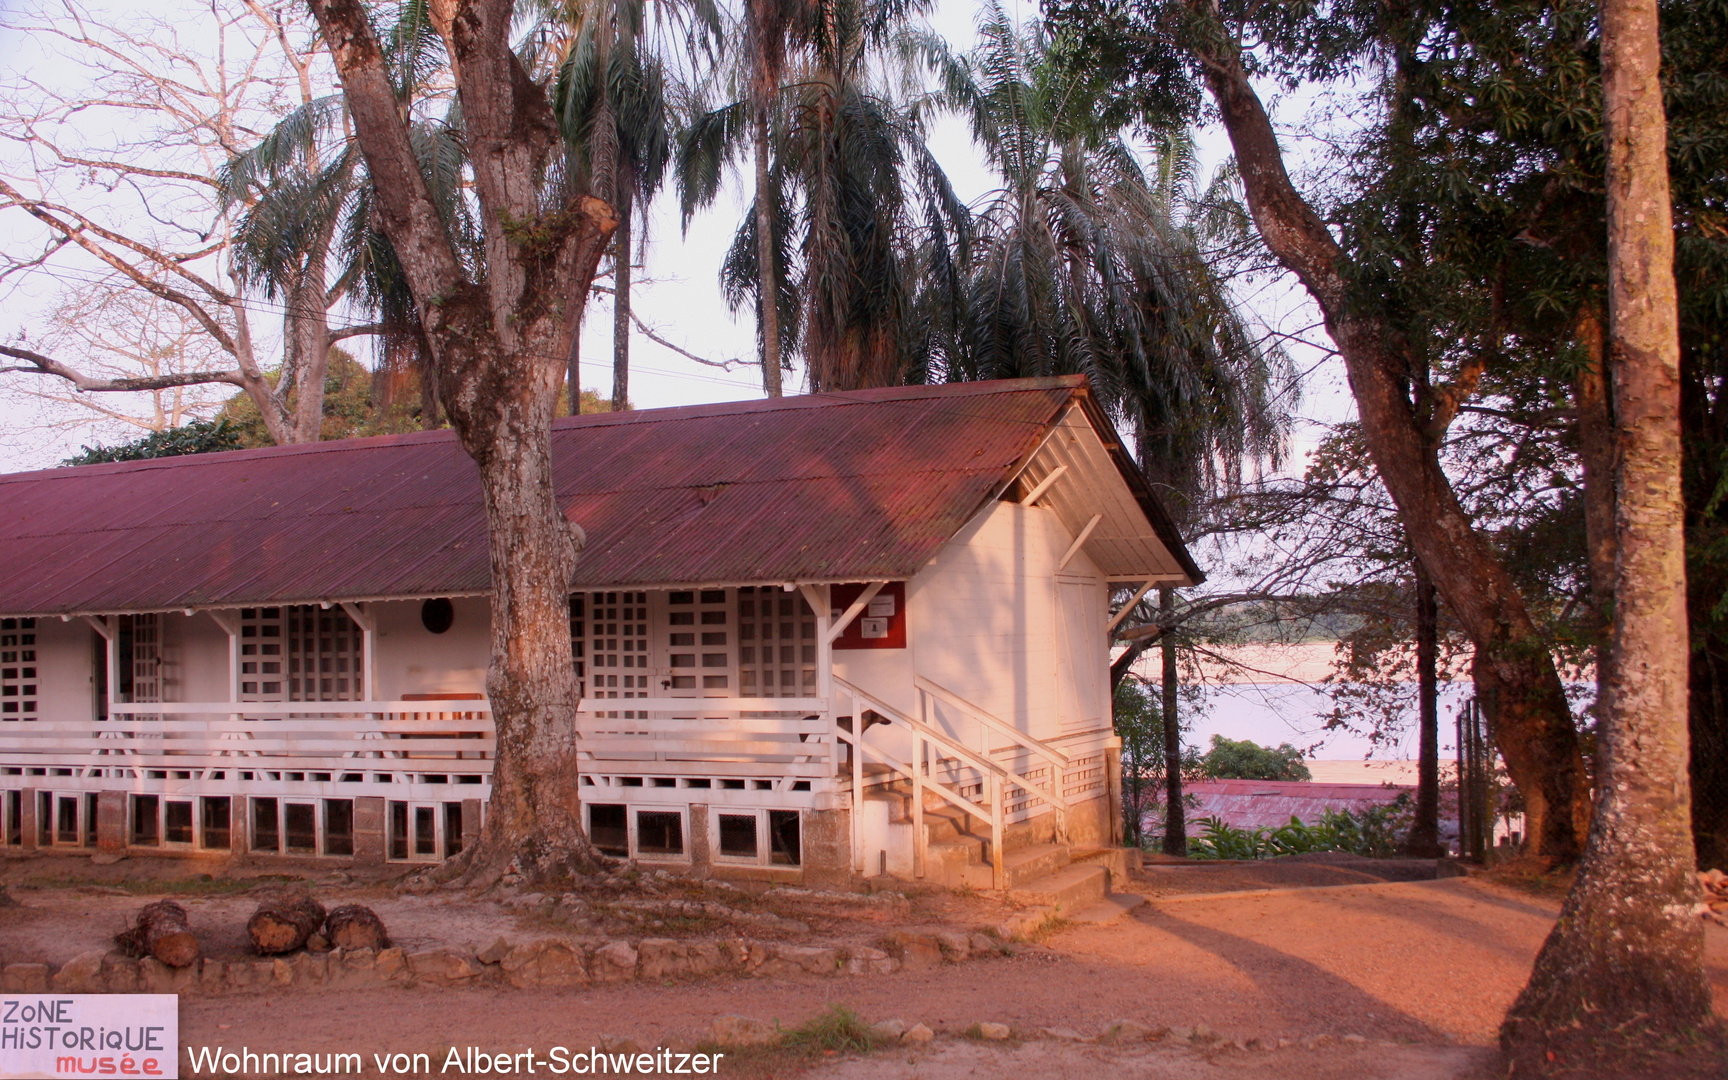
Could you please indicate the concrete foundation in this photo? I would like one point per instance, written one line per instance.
(701, 856)
(369, 831)
(111, 821)
(27, 817)
(827, 846)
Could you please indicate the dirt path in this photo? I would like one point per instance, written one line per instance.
(1421, 971)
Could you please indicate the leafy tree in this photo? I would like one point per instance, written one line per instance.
(196, 437)
(353, 401)
(1244, 759)
(1164, 56)
(1493, 158)
(492, 288)
(1140, 724)
(865, 229)
(1625, 960)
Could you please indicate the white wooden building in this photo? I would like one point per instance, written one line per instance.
(282, 652)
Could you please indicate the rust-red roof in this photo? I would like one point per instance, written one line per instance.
(1269, 804)
(854, 486)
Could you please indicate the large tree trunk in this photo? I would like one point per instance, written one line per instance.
(1515, 675)
(1626, 957)
(1424, 838)
(499, 346)
(621, 295)
(535, 811)
(1597, 451)
(1175, 814)
(308, 334)
(768, 278)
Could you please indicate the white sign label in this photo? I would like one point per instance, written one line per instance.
(873, 628)
(104, 1035)
(881, 606)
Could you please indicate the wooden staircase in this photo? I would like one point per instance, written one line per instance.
(957, 855)
(953, 787)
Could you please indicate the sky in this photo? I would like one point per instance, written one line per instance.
(677, 293)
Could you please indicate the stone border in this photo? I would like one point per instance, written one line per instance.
(1127, 1034)
(548, 963)
(736, 1031)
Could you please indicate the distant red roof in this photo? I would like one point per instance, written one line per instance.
(825, 487)
(1254, 804)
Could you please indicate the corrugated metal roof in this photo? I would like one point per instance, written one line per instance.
(1260, 804)
(852, 486)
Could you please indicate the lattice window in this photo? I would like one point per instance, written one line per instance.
(146, 658)
(261, 659)
(609, 636)
(776, 644)
(323, 647)
(699, 642)
(18, 669)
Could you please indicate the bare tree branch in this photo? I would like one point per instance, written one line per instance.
(649, 333)
(43, 365)
(355, 331)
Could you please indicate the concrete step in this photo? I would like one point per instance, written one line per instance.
(1073, 888)
(949, 863)
(1035, 861)
(1109, 909)
(1113, 859)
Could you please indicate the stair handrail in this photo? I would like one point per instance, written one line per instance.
(960, 801)
(982, 763)
(1056, 759)
(993, 773)
(936, 735)
(995, 723)
(943, 739)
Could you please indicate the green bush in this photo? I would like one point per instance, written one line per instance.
(1233, 759)
(198, 437)
(1376, 832)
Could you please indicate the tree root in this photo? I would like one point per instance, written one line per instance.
(1583, 1052)
(484, 866)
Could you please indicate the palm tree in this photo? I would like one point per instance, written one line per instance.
(859, 211)
(768, 26)
(294, 186)
(1086, 262)
(614, 100)
(307, 199)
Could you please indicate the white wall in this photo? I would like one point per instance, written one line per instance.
(412, 660)
(194, 658)
(988, 620)
(65, 686)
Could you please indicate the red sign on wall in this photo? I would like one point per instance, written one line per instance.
(882, 623)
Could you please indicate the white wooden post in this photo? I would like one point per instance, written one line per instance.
(998, 867)
(230, 626)
(858, 783)
(111, 638)
(368, 627)
(917, 804)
